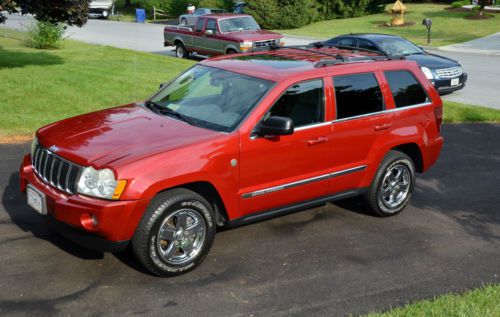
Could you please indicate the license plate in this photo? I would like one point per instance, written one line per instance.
(36, 200)
(455, 82)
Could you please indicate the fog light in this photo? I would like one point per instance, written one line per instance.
(88, 221)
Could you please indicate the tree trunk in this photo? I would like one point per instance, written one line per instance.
(127, 3)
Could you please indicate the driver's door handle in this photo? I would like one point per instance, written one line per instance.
(317, 141)
(383, 126)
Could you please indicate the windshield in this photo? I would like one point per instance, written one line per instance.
(210, 97)
(238, 24)
(398, 46)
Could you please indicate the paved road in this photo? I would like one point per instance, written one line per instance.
(489, 45)
(328, 261)
(484, 71)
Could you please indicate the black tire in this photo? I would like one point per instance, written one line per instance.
(375, 196)
(146, 243)
(184, 22)
(180, 51)
(231, 51)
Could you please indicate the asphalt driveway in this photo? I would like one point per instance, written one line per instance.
(333, 260)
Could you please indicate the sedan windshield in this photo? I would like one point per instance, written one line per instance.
(398, 46)
(210, 97)
(238, 24)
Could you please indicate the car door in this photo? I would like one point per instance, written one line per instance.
(360, 119)
(198, 35)
(283, 170)
(210, 42)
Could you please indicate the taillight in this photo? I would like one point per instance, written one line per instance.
(438, 113)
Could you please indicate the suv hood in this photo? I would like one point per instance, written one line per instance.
(432, 61)
(124, 133)
(255, 35)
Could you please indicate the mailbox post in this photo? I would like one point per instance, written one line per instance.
(428, 23)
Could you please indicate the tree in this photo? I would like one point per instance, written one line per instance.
(482, 4)
(71, 12)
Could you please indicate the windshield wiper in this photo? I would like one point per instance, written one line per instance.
(157, 108)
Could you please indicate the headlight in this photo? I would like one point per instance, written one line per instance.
(245, 46)
(427, 72)
(34, 144)
(97, 183)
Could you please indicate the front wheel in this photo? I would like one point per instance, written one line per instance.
(392, 186)
(175, 234)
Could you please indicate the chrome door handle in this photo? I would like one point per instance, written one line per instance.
(383, 126)
(317, 141)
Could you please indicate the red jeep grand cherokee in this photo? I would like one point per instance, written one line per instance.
(233, 140)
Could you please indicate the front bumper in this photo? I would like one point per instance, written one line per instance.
(443, 86)
(116, 220)
(100, 12)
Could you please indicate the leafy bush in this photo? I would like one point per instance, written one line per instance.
(46, 35)
(285, 14)
(459, 4)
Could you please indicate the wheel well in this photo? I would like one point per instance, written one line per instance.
(178, 42)
(413, 151)
(229, 49)
(208, 191)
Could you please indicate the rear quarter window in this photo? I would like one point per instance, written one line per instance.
(357, 95)
(405, 89)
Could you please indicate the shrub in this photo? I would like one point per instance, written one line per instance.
(282, 14)
(459, 4)
(46, 35)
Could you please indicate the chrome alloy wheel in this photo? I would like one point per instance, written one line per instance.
(181, 236)
(395, 186)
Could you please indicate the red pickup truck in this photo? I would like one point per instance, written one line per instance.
(233, 140)
(218, 34)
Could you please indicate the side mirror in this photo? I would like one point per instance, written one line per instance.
(209, 32)
(274, 126)
(161, 85)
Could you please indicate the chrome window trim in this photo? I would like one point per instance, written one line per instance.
(273, 189)
(424, 104)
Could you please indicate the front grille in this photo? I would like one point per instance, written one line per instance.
(449, 72)
(266, 43)
(55, 170)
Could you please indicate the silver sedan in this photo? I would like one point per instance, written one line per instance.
(190, 19)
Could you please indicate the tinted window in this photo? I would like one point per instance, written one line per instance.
(302, 102)
(357, 95)
(199, 25)
(367, 45)
(347, 42)
(406, 90)
(211, 25)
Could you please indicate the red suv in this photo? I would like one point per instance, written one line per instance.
(234, 140)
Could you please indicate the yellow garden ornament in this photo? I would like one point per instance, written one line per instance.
(398, 10)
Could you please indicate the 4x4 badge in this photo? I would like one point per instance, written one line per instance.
(54, 148)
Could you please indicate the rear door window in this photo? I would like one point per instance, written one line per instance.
(357, 95)
(405, 88)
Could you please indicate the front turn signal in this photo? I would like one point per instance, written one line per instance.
(120, 187)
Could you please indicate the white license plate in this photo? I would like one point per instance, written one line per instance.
(36, 200)
(455, 82)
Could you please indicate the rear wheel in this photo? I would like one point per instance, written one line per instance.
(180, 51)
(392, 186)
(175, 234)
(231, 51)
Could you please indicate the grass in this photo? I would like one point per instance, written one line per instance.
(39, 87)
(482, 302)
(448, 27)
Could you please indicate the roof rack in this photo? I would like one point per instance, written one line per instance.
(339, 58)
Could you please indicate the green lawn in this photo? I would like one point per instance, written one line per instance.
(482, 302)
(447, 27)
(39, 87)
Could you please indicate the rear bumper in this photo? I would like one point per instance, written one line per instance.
(443, 86)
(115, 220)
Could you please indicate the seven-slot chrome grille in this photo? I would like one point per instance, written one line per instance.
(55, 170)
(449, 72)
(266, 43)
